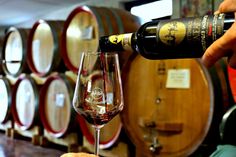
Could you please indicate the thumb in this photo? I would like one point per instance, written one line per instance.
(224, 46)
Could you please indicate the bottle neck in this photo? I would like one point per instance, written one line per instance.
(228, 21)
(121, 42)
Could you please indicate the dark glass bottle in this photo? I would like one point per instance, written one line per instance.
(169, 39)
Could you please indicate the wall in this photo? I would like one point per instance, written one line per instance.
(62, 14)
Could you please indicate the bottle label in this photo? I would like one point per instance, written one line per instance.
(199, 31)
(116, 39)
(123, 39)
(126, 42)
(172, 33)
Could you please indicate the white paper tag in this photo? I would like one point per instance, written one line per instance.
(87, 33)
(60, 99)
(178, 78)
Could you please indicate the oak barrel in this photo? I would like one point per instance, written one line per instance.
(172, 107)
(56, 112)
(86, 24)
(5, 100)
(25, 102)
(2, 36)
(15, 51)
(44, 47)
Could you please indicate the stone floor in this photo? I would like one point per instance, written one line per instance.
(20, 148)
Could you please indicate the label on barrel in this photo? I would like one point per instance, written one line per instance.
(60, 99)
(178, 78)
(87, 33)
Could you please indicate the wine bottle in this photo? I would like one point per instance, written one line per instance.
(169, 39)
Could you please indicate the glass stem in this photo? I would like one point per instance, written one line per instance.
(97, 138)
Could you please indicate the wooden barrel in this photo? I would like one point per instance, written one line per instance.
(86, 24)
(56, 112)
(5, 99)
(15, 51)
(2, 36)
(25, 95)
(109, 134)
(172, 107)
(44, 47)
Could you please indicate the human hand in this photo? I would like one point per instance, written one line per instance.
(226, 45)
(227, 6)
(78, 155)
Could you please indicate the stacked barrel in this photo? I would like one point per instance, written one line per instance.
(40, 67)
(6, 99)
(171, 107)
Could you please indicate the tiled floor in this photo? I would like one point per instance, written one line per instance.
(21, 148)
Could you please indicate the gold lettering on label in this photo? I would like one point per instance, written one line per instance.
(189, 26)
(203, 32)
(196, 30)
(172, 33)
(219, 30)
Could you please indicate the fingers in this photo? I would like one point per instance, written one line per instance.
(226, 45)
(232, 61)
(214, 53)
(222, 47)
(227, 6)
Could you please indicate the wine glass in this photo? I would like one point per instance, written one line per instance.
(98, 95)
